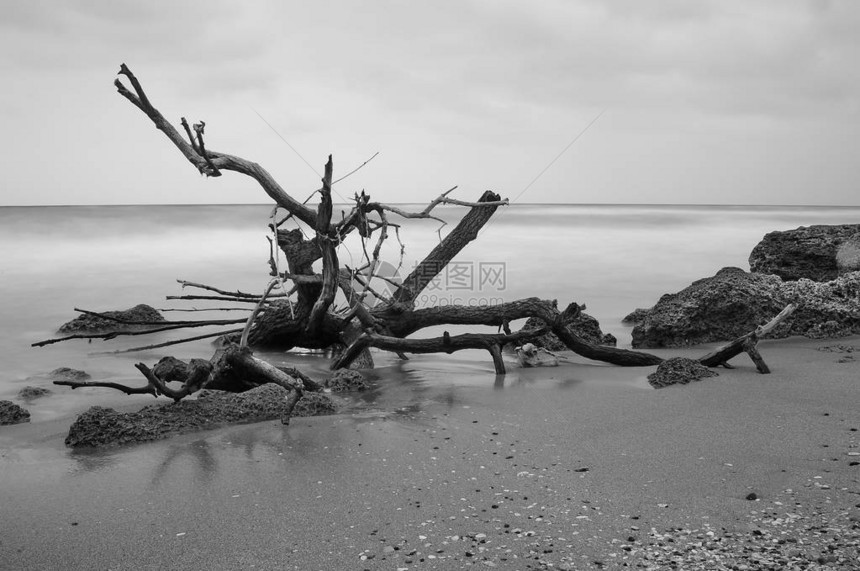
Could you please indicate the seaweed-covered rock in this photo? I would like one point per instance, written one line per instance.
(734, 302)
(679, 371)
(67, 374)
(101, 426)
(11, 413)
(132, 319)
(806, 252)
(314, 404)
(30, 393)
(346, 380)
(584, 326)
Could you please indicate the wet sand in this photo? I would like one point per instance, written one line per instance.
(576, 467)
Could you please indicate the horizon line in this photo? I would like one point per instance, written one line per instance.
(619, 204)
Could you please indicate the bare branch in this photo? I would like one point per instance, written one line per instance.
(198, 128)
(113, 334)
(356, 169)
(441, 199)
(191, 138)
(147, 389)
(216, 161)
(169, 343)
(244, 339)
(213, 298)
(194, 323)
(193, 384)
(194, 309)
(236, 293)
(747, 344)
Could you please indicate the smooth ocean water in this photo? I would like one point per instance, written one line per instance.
(612, 258)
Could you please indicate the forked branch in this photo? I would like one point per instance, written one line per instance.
(747, 344)
(213, 162)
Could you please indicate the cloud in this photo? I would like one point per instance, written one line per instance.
(450, 91)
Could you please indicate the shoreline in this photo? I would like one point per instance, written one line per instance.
(559, 466)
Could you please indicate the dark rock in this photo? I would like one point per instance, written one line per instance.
(29, 393)
(806, 252)
(725, 306)
(734, 302)
(636, 316)
(11, 413)
(679, 370)
(346, 380)
(67, 374)
(101, 426)
(752, 496)
(86, 323)
(314, 404)
(584, 326)
(826, 310)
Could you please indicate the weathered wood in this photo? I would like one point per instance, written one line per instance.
(465, 231)
(747, 344)
(407, 321)
(221, 161)
(752, 351)
(243, 342)
(492, 342)
(310, 323)
(612, 355)
(147, 389)
(232, 368)
(166, 326)
(241, 361)
(326, 243)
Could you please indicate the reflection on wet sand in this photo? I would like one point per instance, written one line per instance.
(403, 392)
(199, 451)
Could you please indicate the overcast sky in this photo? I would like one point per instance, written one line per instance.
(726, 102)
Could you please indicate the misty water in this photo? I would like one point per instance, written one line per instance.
(611, 258)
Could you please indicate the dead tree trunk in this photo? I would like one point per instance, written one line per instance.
(304, 313)
(438, 259)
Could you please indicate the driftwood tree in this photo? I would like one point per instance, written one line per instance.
(303, 313)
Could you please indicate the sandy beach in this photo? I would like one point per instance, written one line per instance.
(576, 467)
